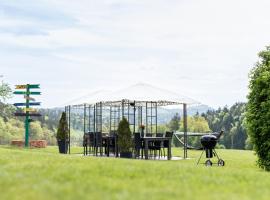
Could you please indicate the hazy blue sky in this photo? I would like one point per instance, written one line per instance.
(203, 49)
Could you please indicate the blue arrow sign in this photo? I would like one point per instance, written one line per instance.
(24, 104)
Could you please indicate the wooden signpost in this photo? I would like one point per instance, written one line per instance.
(28, 111)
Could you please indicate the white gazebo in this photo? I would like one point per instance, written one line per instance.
(138, 103)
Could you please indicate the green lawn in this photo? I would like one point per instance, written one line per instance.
(44, 174)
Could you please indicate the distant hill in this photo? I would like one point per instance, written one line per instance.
(165, 115)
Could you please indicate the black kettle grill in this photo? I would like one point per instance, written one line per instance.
(209, 143)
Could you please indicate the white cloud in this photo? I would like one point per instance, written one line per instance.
(204, 49)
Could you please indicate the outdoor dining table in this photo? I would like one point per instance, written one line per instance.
(146, 141)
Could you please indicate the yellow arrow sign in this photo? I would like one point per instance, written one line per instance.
(30, 110)
(20, 86)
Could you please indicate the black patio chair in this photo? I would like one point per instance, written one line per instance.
(98, 145)
(159, 144)
(150, 144)
(112, 145)
(138, 145)
(156, 146)
(166, 143)
(91, 142)
(85, 143)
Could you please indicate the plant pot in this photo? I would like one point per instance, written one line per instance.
(125, 154)
(63, 146)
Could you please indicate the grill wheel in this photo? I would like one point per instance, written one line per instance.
(208, 163)
(221, 162)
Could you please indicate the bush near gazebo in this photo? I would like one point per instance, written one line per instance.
(258, 114)
(62, 134)
(124, 139)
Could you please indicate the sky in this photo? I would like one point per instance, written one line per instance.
(202, 49)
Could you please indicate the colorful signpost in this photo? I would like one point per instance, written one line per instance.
(28, 111)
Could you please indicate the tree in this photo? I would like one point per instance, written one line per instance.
(5, 91)
(196, 124)
(232, 121)
(174, 124)
(258, 114)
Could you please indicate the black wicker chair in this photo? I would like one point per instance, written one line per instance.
(112, 146)
(85, 143)
(159, 144)
(166, 143)
(91, 142)
(98, 144)
(138, 145)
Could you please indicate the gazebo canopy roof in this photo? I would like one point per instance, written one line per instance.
(140, 93)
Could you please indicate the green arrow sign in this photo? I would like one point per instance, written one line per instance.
(27, 93)
(34, 86)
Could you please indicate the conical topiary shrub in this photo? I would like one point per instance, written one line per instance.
(62, 134)
(124, 139)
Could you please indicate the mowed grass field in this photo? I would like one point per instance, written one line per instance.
(44, 174)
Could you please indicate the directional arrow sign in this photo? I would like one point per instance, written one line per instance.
(24, 104)
(34, 86)
(31, 86)
(27, 93)
(29, 110)
(20, 86)
(29, 98)
(30, 114)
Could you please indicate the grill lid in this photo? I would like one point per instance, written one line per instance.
(209, 141)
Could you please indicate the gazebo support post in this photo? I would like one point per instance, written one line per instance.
(110, 129)
(89, 118)
(84, 118)
(134, 117)
(156, 118)
(84, 130)
(66, 109)
(123, 108)
(69, 107)
(95, 130)
(185, 129)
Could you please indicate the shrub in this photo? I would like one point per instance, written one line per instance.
(258, 109)
(124, 136)
(62, 131)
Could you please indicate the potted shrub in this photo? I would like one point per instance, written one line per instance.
(62, 134)
(124, 139)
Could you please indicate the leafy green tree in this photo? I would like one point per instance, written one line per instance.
(161, 128)
(196, 124)
(5, 91)
(36, 131)
(174, 124)
(258, 115)
(233, 121)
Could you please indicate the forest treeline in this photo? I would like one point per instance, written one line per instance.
(231, 120)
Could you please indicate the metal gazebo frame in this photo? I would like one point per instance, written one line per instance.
(136, 113)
